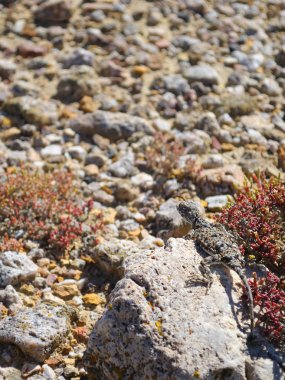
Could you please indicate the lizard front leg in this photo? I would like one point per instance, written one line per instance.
(205, 268)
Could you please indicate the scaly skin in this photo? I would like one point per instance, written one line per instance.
(219, 244)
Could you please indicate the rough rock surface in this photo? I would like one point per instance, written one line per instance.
(169, 222)
(114, 125)
(15, 267)
(109, 255)
(37, 332)
(160, 324)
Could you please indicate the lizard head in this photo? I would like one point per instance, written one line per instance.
(189, 211)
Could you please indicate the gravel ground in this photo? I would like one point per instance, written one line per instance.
(147, 103)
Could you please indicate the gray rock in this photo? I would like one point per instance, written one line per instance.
(129, 225)
(124, 167)
(251, 61)
(10, 373)
(37, 332)
(22, 88)
(54, 11)
(176, 83)
(125, 192)
(16, 157)
(168, 220)
(209, 124)
(259, 122)
(143, 180)
(197, 141)
(110, 255)
(79, 57)
(103, 197)
(15, 268)
(7, 68)
(19, 145)
(48, 372)
(53, 150)
(156, 327)
(271, 87)
(97, 157)
(185, 42)
(34, 111)
(256, 137)
(213, 161)
(10, 297)
(114, 125)
(221, 180)
(77, 152)
(217, 202)
(76, 83)
(203, 73)
(162, 125)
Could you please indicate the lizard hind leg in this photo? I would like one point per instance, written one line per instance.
(205, 269)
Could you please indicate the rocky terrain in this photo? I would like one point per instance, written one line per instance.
(146, 103)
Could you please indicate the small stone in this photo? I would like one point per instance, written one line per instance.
(96, 157)
(271, 87)
(217, 203)
(77, 83)
(109, 255)
(162, 125)
(28, 49)
(92, 299)
(91, 170)
(224, 180)
(10, 133)
(140, 70)
(7, 68)
(9, 297)
(15, 268)
(27, 289)
(87, 104)
(103, 197)
(203, 73)
(114, 125)
(251, 61)
(65, 291)
(48, 373)
(52, 150)
(10, 373)
(209, 124)
(54, 11)
(280, 57)
(125, 192)
(79, 57)
(77, 152)
(30, 369)
(237, 105)
(124, 167)
(34, 111)
(176, 84)
(22, 88)
(256, 137)
(213, 161)
(37, 332)
(143, 180)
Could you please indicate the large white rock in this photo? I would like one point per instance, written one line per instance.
(160, 323)
(15, 268)
(37, 332)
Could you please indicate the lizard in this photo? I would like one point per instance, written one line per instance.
(219, 244)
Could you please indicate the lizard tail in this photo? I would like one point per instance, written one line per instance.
(249, 293)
